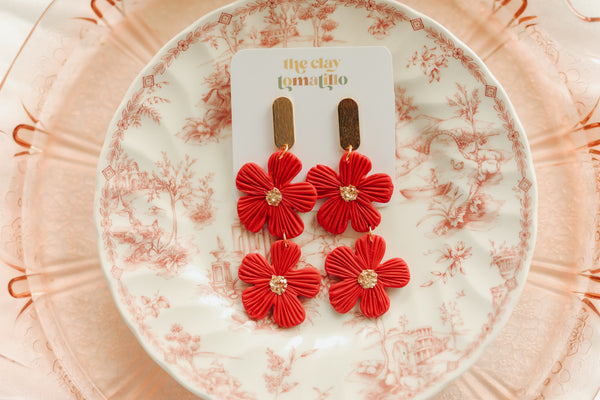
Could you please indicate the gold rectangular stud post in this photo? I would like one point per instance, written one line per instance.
(349, 124)
(283, 122)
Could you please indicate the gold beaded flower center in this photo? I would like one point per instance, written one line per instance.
(349, 193)
(273, 197)
(367, 279)
(278, 284)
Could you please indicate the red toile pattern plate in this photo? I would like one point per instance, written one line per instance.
(463, 215)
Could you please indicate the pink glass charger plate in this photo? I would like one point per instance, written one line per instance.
(548, 347)
(463, 215)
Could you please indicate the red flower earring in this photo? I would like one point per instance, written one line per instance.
(364, 276)
(278, 285)
(349, 198)
(272, 196)
(350, 193)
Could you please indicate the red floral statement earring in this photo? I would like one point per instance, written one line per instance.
(350, 195)
(272, 196)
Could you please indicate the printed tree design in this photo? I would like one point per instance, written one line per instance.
(139, 107)
(323, 394)
(404, 353)
(221, 384)
(450, 209)
(465, 106)
(404, 105)
(139, 312)
(285, 17)
(147, 242)
(319, 13)
(470, 140)
(152, 306)
(381, 26)
(176, 182)
(182, 346)
(456, 256)
(202, 212)
(280, 369)
(230, 34)
(368, 328)
(217, 103)
(430, 60)
(377, 329)
(455, 206)
(450, 315)
(125, 168)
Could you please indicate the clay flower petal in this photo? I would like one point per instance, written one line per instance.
(393, 273)
(343, 295)
(257, 301)
(374, 302)
(288, 311)
(252, 180)
(364, 276)
(301, 196)
(255, 269)
(283, 169)
(370, 251)
(278, 285)
(284, 256)
(333, 215)
(325, 180)
(377, 187)
(273, 196)
(343, 262)
(350, 194)
(283, 220)
(354, 169)
(304, 282)
(252, 211)
(363, 216)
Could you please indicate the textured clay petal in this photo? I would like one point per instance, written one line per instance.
(374, 302)
(282, 219)
(284, 256)
(355, 169)
(393, 273)
(370, 251)
(343, 295)
(283, 170)
(300, 196)
(325, 181)
(363, 215)
(304, 282)
(376, 187)
(251, 179)
(342, 262)
(333, 215)
(252, 211)
(288, 311)
(258, 300)
(255, 269)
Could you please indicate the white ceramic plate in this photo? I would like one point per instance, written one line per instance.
(463, 215)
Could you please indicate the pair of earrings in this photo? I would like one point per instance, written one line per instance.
(273, 198)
